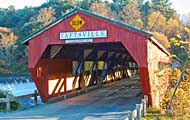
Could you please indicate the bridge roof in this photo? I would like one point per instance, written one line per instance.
(27, 38)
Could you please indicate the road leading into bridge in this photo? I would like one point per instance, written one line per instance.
(112, 102)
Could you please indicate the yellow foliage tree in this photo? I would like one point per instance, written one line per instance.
(163, 39)
(157, 22)
(101, 8)
(181, 102)
(177, 97)
(7, 48)
(172, 27)
(3, 70)
(131, 14)
(46, 15)
(8, 37)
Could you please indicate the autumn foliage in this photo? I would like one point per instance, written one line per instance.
(179, 77)
(181, 102)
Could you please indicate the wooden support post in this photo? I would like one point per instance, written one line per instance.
(144, 108)
(35, 97)
(141, 109)
(138, 107)
(91, 82)
(65, 97)
(134, 115)
(8, 104)
(104, 72)
(146, 100)
(127, 118)
(130, 116)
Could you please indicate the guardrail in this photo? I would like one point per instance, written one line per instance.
(136, 114)
(140, 110)
(10, 99)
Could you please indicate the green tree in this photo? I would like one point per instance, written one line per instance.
(146, 10)
(85, 4)
(60, 6)
(131, 14)
(8, 17)
(24, 16)
(44, 17)
(120, 2)
(164, 6)
(101, 8)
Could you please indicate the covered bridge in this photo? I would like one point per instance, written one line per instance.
(83, 49)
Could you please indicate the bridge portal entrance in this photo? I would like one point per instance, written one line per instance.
(82, 49)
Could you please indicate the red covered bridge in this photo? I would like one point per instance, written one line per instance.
(83, 49)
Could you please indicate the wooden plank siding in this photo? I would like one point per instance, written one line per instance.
(134, 40)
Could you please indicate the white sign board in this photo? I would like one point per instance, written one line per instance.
(79, 41)
(83, 34)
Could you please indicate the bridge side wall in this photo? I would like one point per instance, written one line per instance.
(50, 76)
(157, 61)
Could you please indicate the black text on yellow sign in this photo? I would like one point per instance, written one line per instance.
(77, 22)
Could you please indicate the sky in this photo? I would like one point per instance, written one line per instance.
(182, 6)
(20, 3)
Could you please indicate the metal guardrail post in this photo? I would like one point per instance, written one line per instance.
(8, 104)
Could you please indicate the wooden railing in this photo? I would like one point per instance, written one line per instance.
(140, 110)
(10, 99)
(136, 114)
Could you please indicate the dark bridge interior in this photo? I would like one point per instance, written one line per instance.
(114, 52)
(91, 63)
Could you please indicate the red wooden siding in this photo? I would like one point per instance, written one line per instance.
(48, 69)
(133, 41)
(44, 70)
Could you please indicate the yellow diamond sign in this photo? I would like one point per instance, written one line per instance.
(77, 22)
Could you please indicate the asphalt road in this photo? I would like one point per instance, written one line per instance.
(112, 102)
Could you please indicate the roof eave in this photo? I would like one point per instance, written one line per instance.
(115, 22)
(26, 39)
(159, 45)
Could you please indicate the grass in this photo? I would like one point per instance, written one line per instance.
(155, 114)
(14, 104)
